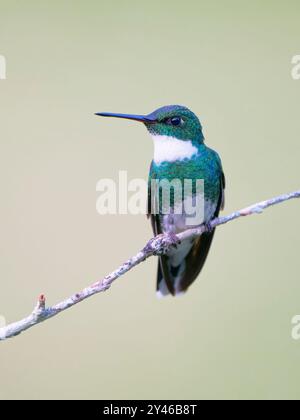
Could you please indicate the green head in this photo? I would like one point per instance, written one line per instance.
(172, 120)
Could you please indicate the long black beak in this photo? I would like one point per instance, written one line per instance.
(141, 118)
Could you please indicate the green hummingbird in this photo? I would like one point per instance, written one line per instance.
(180, 154)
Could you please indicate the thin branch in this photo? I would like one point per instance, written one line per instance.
(156, 246)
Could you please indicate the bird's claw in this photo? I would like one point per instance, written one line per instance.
(172, 240)
(161, 244)
(208, 227)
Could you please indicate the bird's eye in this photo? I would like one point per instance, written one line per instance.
(175, 121)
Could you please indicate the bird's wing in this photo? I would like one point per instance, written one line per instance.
(164, 280)
(152, 206)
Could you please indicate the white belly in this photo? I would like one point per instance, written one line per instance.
(176, 223)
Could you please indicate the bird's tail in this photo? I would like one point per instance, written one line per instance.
(170, 284)
(162, 289)
(178, 271)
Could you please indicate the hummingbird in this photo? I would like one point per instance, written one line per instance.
(180, 153)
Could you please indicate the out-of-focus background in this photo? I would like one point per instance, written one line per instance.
(230, 62)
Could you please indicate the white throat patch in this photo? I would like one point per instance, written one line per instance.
(169, 149)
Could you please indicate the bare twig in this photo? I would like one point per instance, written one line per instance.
(155, 246)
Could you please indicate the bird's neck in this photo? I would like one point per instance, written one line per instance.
(171, 149)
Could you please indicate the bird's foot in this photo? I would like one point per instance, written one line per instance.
(172, 240)
(161, 244)
(208, 227)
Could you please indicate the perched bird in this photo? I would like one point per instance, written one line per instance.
(180, 153)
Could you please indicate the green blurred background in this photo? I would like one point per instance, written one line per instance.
(230, 62)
